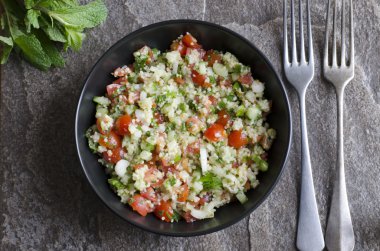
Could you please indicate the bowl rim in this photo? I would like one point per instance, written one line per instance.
(284, 160)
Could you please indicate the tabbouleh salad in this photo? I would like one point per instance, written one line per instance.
(182, 132)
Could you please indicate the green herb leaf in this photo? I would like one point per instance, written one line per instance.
(176, 216)
(7, 48)
(74, 38)
(33, 51)
(31, 19)
(211, 181)
(50, 49)
(83, 16)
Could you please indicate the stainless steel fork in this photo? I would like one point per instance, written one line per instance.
(339, 231)
(299, 74)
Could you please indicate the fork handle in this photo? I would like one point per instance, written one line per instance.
(339, 232)
(309, 232)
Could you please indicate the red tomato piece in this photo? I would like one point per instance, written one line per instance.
(140, 205)
(110, 141)
(188, 217)
(179, 80)
(149, 194)
(193, 125)
(183, 193)
(190, 41)
(237, 139)
(112, 88)
(223, 118)
(213, 100)
(114, 155)
(211, 57)
(120, 80)
(122, 124)
(246, 79)
(164, 211)
(215, 133)
(99, 121)
(197, 78)
(193, 148)
(177, 46)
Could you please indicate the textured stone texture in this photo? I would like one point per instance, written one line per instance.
(46, 202)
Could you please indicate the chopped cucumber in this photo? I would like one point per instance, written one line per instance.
(241, 197)
(102, 101)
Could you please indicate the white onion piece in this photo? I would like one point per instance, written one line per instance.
(203, 159)
(121, 167)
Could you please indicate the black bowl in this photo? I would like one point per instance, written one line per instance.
(211, 36)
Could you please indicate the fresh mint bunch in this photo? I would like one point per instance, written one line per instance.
(34, 28)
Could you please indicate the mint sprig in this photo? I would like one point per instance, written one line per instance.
(35, 28)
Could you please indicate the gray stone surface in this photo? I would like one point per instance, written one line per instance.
(46, 202)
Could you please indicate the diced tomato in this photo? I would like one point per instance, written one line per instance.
(224, 82)
(213, 100)
(151, 175)
(164, 211)
(122, 124)
(177, 46)
(190, 41)
(98, 125)
(140, 205)
(197, 78)
(246, 79)
(188, 217)
(193, 125)
(110, 141)
(159, 117)
(112, 88)
(149, 194)
(120, 80)
(215, 133)
(211, 57)
(183, 193)
(179, 80)
(237, 139)
(223, 118)
(114, 155)
(193, 148)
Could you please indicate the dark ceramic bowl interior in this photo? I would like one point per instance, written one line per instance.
(211, 36)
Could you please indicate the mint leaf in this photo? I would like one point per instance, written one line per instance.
(6, 40)
(30, 3)
(55, 32)
(83, 16)
(7, 48)
(50, 49)
(32, 50)
(31, 19)
(74, 38)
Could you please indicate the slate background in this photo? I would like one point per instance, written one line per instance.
(46, 203)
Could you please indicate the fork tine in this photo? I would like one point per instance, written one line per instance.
(327, 34)
(309, 34)
(352, 50)
(285, 34)
(294, 46)
(343, 53)
(302, 42)
(334, 63)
